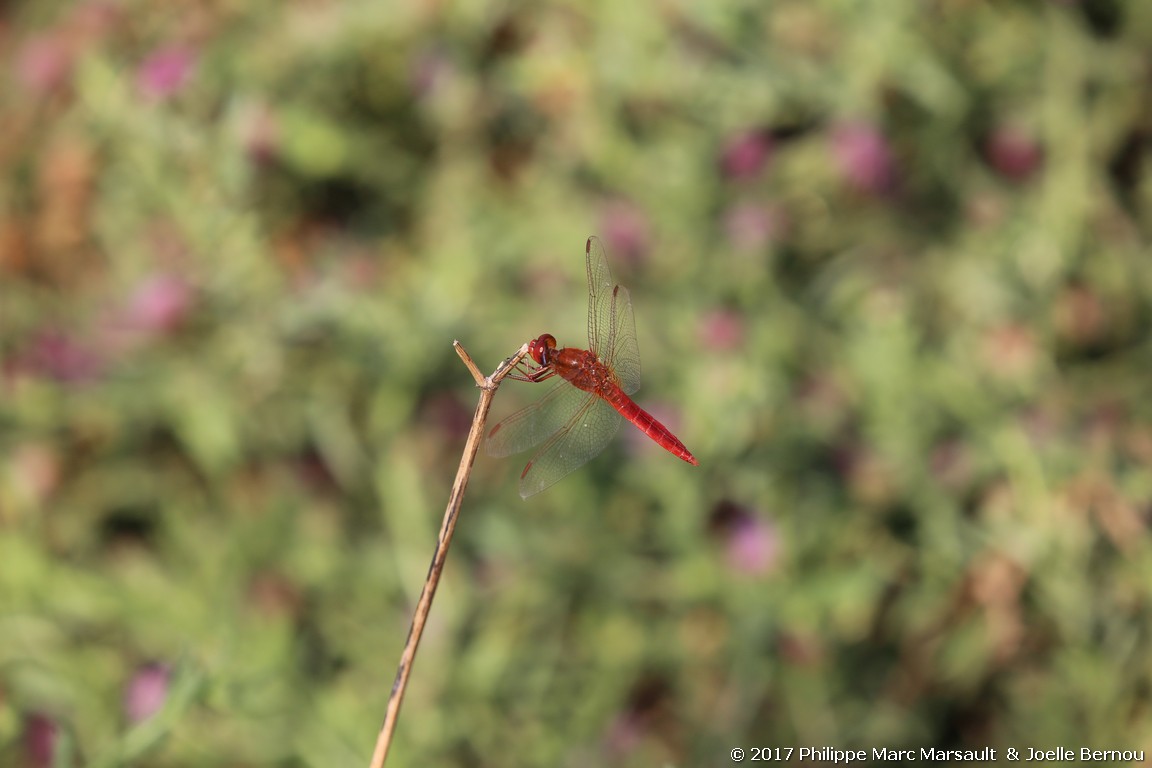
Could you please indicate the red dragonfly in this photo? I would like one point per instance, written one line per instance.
(578, 416)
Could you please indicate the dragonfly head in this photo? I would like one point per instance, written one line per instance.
(541, 349)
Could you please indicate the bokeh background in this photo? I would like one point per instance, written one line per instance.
(893, 288)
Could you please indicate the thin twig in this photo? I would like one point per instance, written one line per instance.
(424, 605)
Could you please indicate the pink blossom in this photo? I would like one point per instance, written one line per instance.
(165, 72)
(625, 734)
(745, 154)
(753, 547)
(62, 358)
(40, 736)
(625, 230)
(97, 18)
(427, 70)
(721, 330)
(751, 543)
(864, 157)
(751, 226)
(1013, 153)
(628, 730)
(44, 63)
(146, 692)
(160, 304)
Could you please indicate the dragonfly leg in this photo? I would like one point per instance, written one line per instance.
(525, 372)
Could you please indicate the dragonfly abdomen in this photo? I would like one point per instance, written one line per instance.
(648, 424)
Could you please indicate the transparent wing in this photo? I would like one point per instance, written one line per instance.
(585, 435)
(534, 424)
(600, 299)
(624, 358)
(611, 325)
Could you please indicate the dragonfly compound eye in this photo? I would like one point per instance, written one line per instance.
(541, 349)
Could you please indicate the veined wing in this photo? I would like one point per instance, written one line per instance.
(534, 424)
(624, 357)
(584, 436)
(601, 304)
(611, 325)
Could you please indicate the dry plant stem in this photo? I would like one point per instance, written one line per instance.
(424, 605)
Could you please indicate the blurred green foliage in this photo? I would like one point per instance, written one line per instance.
(892, 283)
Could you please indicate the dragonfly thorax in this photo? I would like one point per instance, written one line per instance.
(584, 369)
